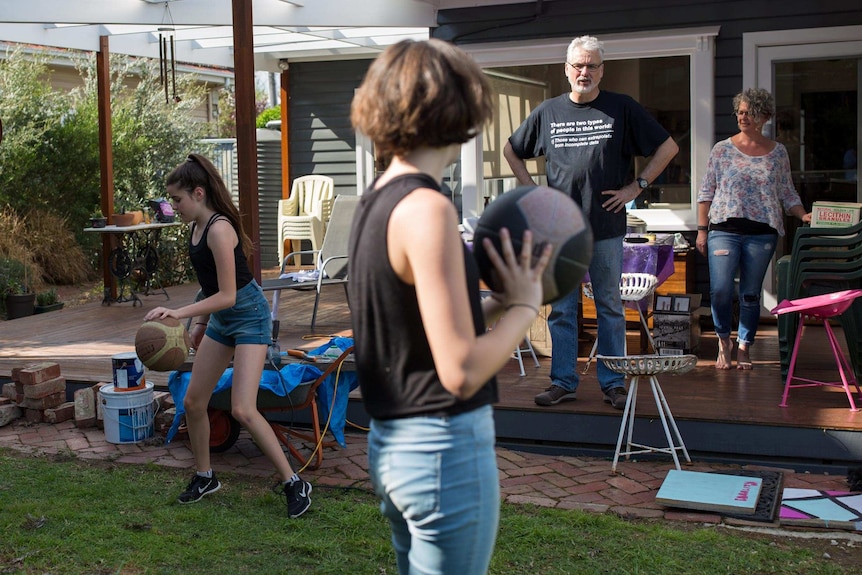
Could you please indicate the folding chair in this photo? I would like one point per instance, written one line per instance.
(331, 259)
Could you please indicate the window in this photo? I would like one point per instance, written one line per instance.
(669, 72)
(660, 84)
(815, 75)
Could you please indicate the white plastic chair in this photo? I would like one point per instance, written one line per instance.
(304, 215)
(633, 287)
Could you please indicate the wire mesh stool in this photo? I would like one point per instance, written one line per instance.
(650, 366)
(633, 288)
(821, 307)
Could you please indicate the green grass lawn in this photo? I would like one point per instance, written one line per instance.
(67, 516)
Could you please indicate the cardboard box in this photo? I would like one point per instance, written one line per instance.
(835, 214)
(676, 323)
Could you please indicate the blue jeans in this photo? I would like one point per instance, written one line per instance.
(750, 256)
(438, 484)
(605, 270)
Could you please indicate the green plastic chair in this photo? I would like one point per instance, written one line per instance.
(823, 260)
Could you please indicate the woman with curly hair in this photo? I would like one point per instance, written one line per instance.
(745, 193)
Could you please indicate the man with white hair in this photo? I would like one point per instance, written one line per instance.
(589, 138)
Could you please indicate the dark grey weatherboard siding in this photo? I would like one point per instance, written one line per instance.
(321, 138)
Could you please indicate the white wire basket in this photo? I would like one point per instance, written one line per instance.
(649, 364)
(633, 286)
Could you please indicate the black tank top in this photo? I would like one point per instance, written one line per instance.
(393, 359)
(204, 263)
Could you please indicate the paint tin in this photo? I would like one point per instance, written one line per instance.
(128, 414)
(128, 372)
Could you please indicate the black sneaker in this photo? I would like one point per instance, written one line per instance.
(198, 487)
(297, 496)
(554, 395)
(616, 396)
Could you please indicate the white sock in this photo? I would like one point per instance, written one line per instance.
(294, 478)
(207, 474)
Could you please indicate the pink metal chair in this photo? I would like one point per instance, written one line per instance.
(821, 307)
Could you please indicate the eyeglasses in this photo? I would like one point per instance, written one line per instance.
(745, 113)
(590, 67)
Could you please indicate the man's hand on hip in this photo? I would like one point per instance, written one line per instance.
(618, 199)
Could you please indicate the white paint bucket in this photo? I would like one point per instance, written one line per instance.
(128, 415)
(128, 372)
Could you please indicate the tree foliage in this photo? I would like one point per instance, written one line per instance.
(50, 153)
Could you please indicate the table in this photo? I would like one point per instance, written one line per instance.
(135, 248)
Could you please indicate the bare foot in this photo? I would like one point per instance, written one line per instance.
(743, 361)
(725, 347)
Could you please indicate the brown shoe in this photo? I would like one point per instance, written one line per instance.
(554, 395)
(616, 396)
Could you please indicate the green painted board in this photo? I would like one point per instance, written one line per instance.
(710, 492)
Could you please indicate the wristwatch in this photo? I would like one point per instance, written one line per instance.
(642, 183)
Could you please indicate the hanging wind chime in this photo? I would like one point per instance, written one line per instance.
(168, 60)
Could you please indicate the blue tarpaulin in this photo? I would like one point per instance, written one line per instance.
(281, 383)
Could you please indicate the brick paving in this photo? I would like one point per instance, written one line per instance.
(560, 481)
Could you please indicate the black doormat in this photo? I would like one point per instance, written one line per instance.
(769, 500)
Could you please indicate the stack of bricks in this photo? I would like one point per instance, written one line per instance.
(39, 390)
(38, 393)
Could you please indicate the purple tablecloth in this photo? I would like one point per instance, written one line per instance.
(646, 258)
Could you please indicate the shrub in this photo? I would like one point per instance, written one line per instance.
(267, 115)
(48, 297)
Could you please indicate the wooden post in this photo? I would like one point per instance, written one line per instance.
(285, 131)
(106, 157)
(246, 139)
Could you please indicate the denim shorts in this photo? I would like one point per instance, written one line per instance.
(247, 322)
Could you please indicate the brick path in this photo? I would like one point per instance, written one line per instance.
(565, 482)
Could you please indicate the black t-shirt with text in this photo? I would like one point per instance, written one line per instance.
(589, 148)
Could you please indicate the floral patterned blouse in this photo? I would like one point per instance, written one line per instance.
(752, 187)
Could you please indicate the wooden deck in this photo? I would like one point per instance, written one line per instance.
(721, 414)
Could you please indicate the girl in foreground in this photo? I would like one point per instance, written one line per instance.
(231, 322)
(425, 363)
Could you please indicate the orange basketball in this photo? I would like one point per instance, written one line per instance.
(162, 344)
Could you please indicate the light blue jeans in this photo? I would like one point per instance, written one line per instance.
(605, 270)
(750, 256)
(438, 484)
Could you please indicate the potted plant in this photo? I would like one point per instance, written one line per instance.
(97, 219)
(47, 301)
(19, 296)
(127, 216)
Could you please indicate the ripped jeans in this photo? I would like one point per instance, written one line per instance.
(749, 255)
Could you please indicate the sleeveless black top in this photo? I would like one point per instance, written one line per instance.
(393, 359)
(204, 263)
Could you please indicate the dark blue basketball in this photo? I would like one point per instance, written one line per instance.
(553, 217)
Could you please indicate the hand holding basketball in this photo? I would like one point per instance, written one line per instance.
(552, 218)
(519, 274)
(162, 344)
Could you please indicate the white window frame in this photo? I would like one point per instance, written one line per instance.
(697, 43)
(760, 50)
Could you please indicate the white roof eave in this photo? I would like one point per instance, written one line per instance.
(132, 27)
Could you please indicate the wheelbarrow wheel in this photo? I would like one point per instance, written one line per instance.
(224, 430)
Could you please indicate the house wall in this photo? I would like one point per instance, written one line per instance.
(322, 140)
